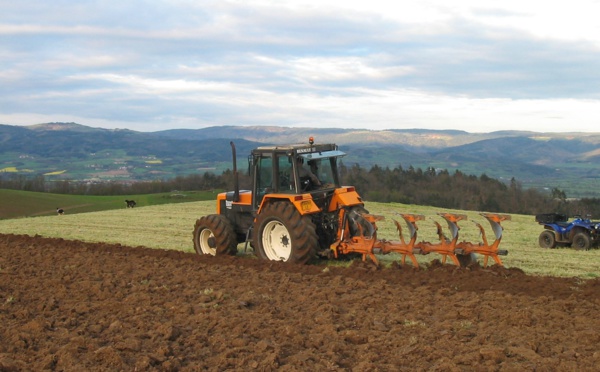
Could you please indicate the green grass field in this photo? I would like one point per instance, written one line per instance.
(168, 225)
(16, 204)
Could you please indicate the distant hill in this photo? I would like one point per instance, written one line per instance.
(72, 151)
(410, 138)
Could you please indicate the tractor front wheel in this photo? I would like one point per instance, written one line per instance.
(281, 233)
(214, 235)
(581, 241)
(547, 239)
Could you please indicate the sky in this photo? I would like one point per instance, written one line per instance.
(473, 65)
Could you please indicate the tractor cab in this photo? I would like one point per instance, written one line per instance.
(293, 170)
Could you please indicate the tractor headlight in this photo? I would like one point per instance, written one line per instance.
(306, 205)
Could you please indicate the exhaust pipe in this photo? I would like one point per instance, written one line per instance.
(236, 181)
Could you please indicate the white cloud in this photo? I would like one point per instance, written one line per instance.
(150, 65)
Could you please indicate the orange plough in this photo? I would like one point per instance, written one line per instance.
(364, 239)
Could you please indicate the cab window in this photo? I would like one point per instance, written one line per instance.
(285, 172)
(264, 178)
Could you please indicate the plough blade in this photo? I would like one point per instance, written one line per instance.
(484, 248)
(363, 239)
(401, 247)
(446, 246)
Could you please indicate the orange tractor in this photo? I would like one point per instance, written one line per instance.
(298, 211)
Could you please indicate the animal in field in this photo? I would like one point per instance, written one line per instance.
(60, 211)
(130, 203)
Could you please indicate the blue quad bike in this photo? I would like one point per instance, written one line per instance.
(580, 233)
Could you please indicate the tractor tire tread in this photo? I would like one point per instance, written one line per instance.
(301, 229)
(222, 229)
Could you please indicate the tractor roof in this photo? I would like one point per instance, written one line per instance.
(297, 149)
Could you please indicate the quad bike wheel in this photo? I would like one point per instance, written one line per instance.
(282, 234)
(547, 239)
(581, 241)
(214, 235)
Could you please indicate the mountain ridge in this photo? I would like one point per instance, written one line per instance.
(570, 161)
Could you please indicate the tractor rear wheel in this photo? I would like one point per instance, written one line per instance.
(282, 234)
(547, 239)
(581, 241)
(214, 235)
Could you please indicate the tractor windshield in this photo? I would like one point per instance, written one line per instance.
(324, 166)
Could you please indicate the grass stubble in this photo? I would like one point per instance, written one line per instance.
(170, 226)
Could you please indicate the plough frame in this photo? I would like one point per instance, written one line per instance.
(367, 244)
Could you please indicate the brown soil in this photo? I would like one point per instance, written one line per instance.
(73, 306)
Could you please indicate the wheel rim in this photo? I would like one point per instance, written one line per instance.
(276, 241)
(546, 241)
(207, 242)
(580, 244)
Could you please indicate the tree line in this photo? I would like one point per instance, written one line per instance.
(457, 190)
(438, 188)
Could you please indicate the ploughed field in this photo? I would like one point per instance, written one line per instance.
(74, 306)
